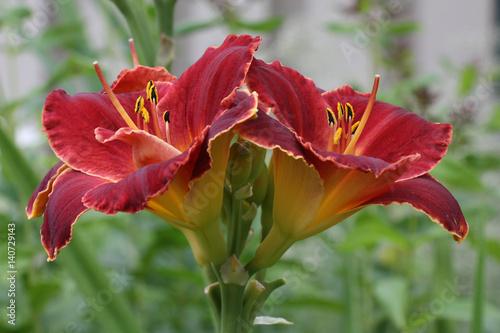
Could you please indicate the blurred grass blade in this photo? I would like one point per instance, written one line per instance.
(16, 167)
(116, 316)
(392, 294)
(479, 283)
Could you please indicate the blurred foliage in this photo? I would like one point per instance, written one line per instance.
(384, 270)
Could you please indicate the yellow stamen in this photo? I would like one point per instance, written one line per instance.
(354, 127)
(331, 117)
(340, 109)
(145, 118)
(364, 119)
(113, 98)
(152, 92)
(134, 53)
(338, 135)
(152, 95)
(145, 115)
(139, 104)
(350, 112)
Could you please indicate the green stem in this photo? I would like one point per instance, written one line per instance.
(165, 16)
(444, 274)
(137, 22)
(232, 307)
(165, 19)
(234, 228)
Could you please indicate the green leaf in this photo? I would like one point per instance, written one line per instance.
(483, 162)
(14, 15)
(461, 310)
(266, 25)
(392, 294)
(189, 27)
(402, 28)
(41, 292)
(494, 123)
(493, 248)
(467, 80)
(370, 233)
(343, 28)
(264, 320)
(458, 175)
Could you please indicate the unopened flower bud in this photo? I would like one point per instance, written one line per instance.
(258, 162)
(259, 188)
(239, 165)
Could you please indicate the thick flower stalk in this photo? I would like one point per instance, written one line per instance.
(149, 141)
(338, 151)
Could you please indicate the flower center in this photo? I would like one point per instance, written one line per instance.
(343, 133)
(341, 127)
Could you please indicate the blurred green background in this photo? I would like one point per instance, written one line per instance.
(383, 270)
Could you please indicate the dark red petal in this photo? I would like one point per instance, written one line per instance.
(269, 133)
(295, 100)
(64, 207)
(207, 88)
(392, 132)
(136, 79)
(132, 193)
(70, 122)
(239, 114)
(426, 194)
(38, 200)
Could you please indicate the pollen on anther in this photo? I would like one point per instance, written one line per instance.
(338, 135)
(340, 109)
(145, 115)
(139, 104)
(152, 92)
(331, 117)
(166, 116)
(354, 127)
(350, 112)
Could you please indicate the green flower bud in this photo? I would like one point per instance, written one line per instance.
(259, 188)
(239, 165)
(258, 162)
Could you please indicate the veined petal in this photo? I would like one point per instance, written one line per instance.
(426, 194)
(64, 207)
(137, 78)
(392, 132)
(295, 100)
(298, 193)
(207, 88)
(269, 133)
(132, 193)
(38, 200)
(70, 122)
(346, 190)
(146, 148)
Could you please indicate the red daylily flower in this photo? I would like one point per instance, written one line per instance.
(338, 151)
(122, 153)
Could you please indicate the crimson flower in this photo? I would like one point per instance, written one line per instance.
(150, 141)
(338, 151)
